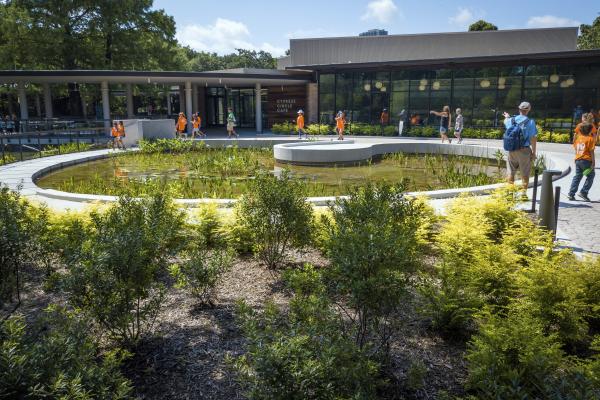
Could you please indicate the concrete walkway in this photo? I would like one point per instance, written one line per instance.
(578, 221)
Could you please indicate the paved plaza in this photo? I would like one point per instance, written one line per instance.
(578, 221)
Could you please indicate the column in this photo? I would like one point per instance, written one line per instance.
(22, 101)
(181, 99)
(129, 94)
(48, 101)
(38, 105)
(312, 103)
(168, 91)
(195, 98)
(105, 105)
(188, 104)
(258, 107)
(83, 102)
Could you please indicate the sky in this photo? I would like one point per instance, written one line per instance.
(222, 26)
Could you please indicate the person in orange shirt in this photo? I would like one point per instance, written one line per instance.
(340, 123)
(181, 125)
(585, 161)
(114, 134)
(587, 118)
(121, 135)
(384, 119)
(197, 123)
(300, 125)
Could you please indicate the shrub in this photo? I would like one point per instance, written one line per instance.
(512, 358)
(372, 245)
(318, 129)
(202, 271)
(237, 235)
(209, 226)
(173, 146)
(302, 354)
(22, 228)
(113, 277)
(284, 127)
(277, 216)
(58, 359)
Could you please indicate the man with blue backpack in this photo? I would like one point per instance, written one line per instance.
(520, 140)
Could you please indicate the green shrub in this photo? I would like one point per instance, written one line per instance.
(22, 230)
(318, 129)
(274, 211)
(373, 247)
(202, 271)
(113, 276)
(65, 148)
(302, 354)
(209, 226)
(173, 146)
(284, 127)
(57, 359)
(513, 358)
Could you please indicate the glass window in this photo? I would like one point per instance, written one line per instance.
(379, 102)
(326, 107)
(400, 80)
(361, 97)
(398, 102)
(537, 98)
(463, 79)
(441, 80)
(486, 78)
(326, 83)
(420, 81)
(343, 91)
(463, 99)
(538, 76)
(587, 76)
(419, 104)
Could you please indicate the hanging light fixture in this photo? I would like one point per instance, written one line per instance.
(484, 83)
(501, 81)
(436, 85)
(383, 89)
(564, 84)
(423, 82)
(378, 85)
(501, 86)
(544, 84)
(422, 88)
(554, 78)
(367, 87)
(570, 81)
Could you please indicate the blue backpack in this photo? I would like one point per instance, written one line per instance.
(514, 136)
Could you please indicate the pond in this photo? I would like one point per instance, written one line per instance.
(226, 173)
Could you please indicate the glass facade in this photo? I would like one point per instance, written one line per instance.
(483, 94)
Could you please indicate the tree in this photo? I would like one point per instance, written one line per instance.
(482, 25)
(589, 37)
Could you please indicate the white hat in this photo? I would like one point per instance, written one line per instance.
(300, 112)
(524, 106)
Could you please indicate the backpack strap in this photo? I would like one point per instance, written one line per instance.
(513, 121)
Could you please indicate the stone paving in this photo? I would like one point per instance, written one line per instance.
(578, 221)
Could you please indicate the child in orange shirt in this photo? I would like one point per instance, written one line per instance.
(340, 122)
(181, 125)
(300, 125)
(585, 162)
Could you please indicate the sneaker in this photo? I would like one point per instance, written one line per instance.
(571, 197)
(583, 196)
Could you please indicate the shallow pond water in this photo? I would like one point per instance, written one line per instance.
(226, 173)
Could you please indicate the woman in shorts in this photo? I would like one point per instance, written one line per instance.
(445, 121)
(340, 123)
(231, 124)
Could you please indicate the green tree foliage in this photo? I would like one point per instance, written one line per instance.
(22, 229)
(302, 353)
(203, 61)
(56, 358)
(113, 274)
(277, 216)
(589, 37)
(482, 25)
(373, 247)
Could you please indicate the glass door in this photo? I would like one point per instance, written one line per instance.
(215, 106)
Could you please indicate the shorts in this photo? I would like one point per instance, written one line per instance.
(443, 130)
(195, 130)
(230, 126)
(519, 160)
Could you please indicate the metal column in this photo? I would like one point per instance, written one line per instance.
(258, 107)
(48, 101)
(23, 101)
(129, 92)
(105, 105)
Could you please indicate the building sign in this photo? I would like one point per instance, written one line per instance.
(284, 106)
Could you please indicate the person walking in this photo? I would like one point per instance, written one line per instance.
(340, 123)
(231, 124)
(585, 161)
(115, 134)
(384, 119)
(520, 140)
(197, 125)
(121, 134)
(586, 118)
(459, 125)
(181, 125)
(401, 118)
(445, 122)
(300, 125)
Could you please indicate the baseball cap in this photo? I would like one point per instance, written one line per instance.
(524, 106)
(300, 112)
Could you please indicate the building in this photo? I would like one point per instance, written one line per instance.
(484, 73)
(374, 32)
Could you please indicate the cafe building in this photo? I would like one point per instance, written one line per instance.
(483, 73)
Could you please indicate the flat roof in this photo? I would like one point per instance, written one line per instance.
(237, 77)
(429, 46)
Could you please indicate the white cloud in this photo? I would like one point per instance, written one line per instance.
(550, 21)
(380, 10)
(222, 37)
(463, 17)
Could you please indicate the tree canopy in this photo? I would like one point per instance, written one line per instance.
(482, 25)
(103, 34)
(589, 37)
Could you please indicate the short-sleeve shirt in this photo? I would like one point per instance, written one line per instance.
(340, 122)
(181, 123)
(300, 122)
(114, 132)
(231, 118)
(584, 147)
(529, 129)
(197, 122)
(458, 124)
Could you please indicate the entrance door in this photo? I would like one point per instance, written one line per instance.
(215, 107)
